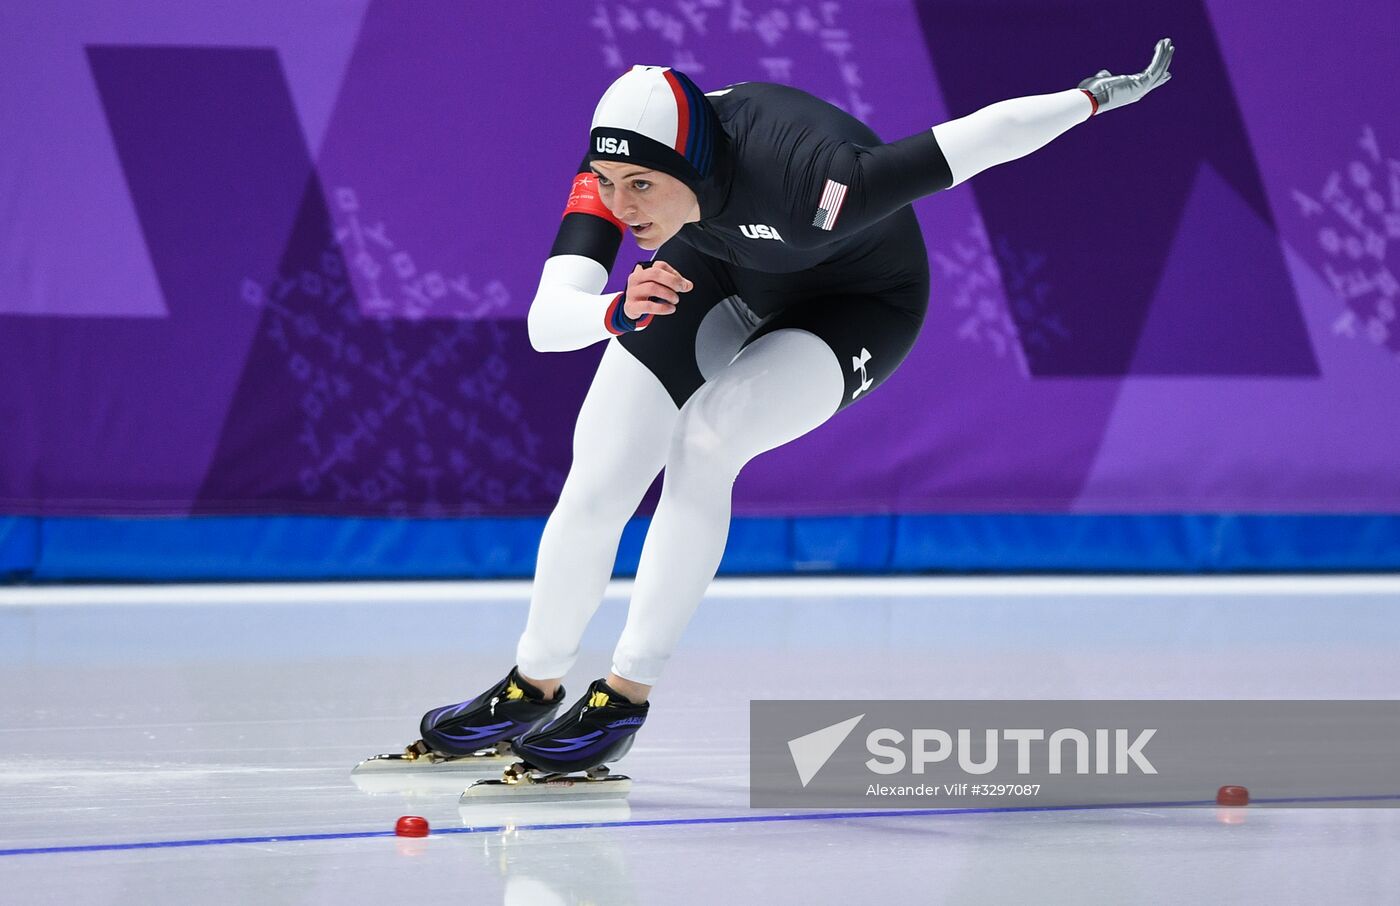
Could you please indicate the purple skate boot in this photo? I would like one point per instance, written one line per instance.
(567, 757)
(475, 734)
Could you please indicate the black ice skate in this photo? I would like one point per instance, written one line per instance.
(473, 735)
(567, 758)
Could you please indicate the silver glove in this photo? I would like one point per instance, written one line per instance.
(1117, 91)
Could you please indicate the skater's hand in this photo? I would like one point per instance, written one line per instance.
(654, 290)
(1112, 91)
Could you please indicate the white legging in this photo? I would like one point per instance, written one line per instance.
(778, 388)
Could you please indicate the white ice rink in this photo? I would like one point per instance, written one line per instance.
(225, 720)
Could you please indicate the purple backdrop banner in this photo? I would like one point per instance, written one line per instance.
(277, 259)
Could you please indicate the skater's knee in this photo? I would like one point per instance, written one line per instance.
(595, 496)
(703, 441)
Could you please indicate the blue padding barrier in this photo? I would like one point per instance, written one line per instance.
(19, 546)
(244, 548)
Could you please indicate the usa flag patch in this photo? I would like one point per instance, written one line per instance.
(830, 205)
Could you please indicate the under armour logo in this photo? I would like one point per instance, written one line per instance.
(858, 364)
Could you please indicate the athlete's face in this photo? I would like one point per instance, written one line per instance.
(654, 205)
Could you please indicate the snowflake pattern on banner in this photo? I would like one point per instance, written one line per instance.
(982, 279)
(379, 262)
(1356, 215)
(767, 31)
(380, 389)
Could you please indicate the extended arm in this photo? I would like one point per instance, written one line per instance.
(1014, 128)
(1010, 129)
(871, 183)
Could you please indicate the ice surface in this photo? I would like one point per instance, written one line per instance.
(196, 715)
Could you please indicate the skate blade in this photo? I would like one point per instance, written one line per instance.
(423, 775)
(466, 764)
(566, 788)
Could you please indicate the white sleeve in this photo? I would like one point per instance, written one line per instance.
(570, 311)
(1010, 129)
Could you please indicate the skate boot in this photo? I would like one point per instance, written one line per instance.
(501, 713)
(474, 734)
(566, 758)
